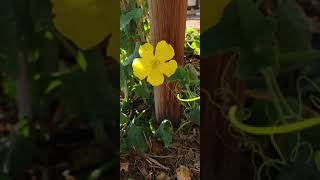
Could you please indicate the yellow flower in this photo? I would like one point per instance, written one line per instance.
(154, 65)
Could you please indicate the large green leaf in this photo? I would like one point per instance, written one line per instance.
(298, 172)
(8, 38)
(43, 58)
(294, 30)
(245, 30)
(299, 156)
(40, 12)
(136, 138)
(4, 177)
(89, 92)
(142, 91)
(225, 35)
(19, 156)
(253, 60)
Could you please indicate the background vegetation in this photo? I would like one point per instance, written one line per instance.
(59, 102)
(274, 46)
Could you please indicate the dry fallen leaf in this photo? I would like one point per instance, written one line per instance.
(67, 176)
(143, 171)
(156, 147)
(197, 165)
(124, 167)
(2, 128)
(163, 176)
(183, 173)
(10, 127)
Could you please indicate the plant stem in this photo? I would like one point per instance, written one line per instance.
(271, 130)
(299, 57)
(280, 102)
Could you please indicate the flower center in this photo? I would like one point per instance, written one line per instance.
(155, 63)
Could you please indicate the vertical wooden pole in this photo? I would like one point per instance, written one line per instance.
(23, 91)
(220, 155)
(168, 22)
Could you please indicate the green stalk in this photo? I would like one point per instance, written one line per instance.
(299, 57)
(188, 100)
(270, 87)
(271, 130)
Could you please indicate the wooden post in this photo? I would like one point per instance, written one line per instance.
(23, 89)
(220, 155)
(168, 22)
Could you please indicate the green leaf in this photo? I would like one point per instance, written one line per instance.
(196, 47)
(134, 55)
(123, 118)
(165, 132)
(127, 17)
(245, 30)
(225, 35)
(194, 114)
(299, 156)
(82, 61)
(180, 75)
(136, 139)
(90, 92)
(53, 84)
(142, 91)
(19, 156)
(252, 61)
(24, 128)
(3, 177)
(298, 171)
(9, 87)
(294, 32)
(317, 159)
(8, 39)
(193, 73)
(48, 35)
(40, 11)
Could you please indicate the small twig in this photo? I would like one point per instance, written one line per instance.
(153, 161)
(158, 156)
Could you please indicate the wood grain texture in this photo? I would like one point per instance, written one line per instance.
(23, 89)
(168, 22)
(220, 156)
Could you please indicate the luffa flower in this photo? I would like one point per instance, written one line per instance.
(153, 65)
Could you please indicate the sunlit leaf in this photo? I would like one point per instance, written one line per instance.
(54, 84)
(165, 132)
(88, 22)
(82, 61)
(212, 12)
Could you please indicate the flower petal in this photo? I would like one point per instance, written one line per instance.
(168, 68)
(164, 51)
(146, 51)
(141, 68)
(86, 22)
(155, 78)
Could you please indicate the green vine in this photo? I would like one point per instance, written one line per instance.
(271, 130)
